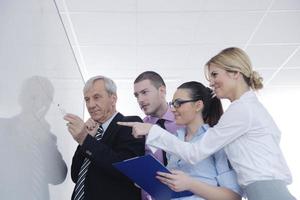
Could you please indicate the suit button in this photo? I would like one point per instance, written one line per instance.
(88, 152)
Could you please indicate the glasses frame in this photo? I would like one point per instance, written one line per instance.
(177, 102)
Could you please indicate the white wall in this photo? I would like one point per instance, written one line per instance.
(38, 71)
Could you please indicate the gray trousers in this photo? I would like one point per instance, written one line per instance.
(268, 190)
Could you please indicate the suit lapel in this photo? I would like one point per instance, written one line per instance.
(113, 127)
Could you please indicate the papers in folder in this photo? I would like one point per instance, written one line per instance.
(142, 170)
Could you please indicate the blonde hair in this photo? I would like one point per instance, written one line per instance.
(234, 59)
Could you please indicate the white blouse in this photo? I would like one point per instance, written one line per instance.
(248, 135)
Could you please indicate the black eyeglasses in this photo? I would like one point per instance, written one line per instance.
(177, 102)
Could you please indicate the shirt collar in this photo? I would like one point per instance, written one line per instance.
(247, 95)
(107, 122)
(201, 130)
(168, 116)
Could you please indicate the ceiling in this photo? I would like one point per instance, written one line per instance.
(121, 38)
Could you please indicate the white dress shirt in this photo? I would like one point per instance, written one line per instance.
(248, 135)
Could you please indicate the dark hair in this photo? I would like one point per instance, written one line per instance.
(213, 109)
(153, 77)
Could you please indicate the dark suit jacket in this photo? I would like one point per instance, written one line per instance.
(103, 181)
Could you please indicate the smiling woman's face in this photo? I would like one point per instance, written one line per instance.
(186, 112)
(222, 82)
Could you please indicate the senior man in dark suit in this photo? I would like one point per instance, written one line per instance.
(101, 143)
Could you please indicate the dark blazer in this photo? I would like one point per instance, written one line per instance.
(103, 181)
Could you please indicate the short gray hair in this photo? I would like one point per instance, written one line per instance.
(110, 86)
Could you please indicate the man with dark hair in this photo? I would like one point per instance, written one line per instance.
(150, 92)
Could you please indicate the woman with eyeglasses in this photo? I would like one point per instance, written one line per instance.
(212, 178)
(246, 130)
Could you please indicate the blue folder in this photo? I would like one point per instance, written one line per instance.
(142, 171)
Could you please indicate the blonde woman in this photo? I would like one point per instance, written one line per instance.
(246, 130)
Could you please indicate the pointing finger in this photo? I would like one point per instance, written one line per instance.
(129, 124)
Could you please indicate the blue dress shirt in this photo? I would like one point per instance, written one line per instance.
(214, 170)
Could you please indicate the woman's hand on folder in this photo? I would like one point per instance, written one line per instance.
(138, 129)
(178, 181)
